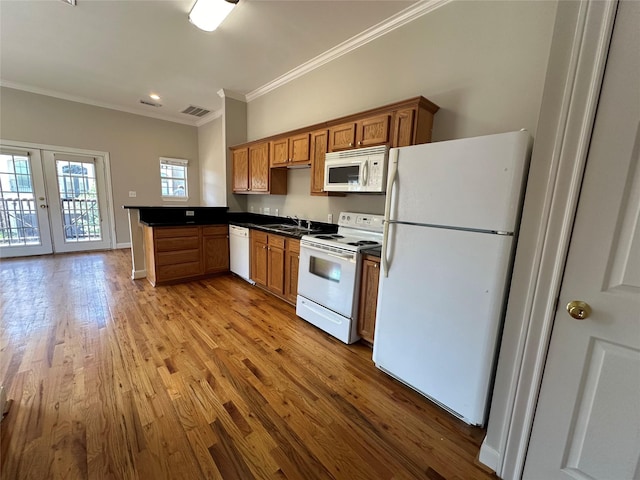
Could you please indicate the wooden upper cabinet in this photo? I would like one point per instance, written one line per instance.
(404, 128)
(289, 151)
(279, 152)
(342, 137)
(319, 144)
(259, 167)
(367, 132)
(299, 152)
(373, 131)
(240, 160)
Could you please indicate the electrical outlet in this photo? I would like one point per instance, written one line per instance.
(277, 212)
(267, 211)
(330, 218)
(132, 194)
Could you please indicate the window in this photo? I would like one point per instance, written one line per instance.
(173, 178)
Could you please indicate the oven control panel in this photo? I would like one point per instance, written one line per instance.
(362, 221)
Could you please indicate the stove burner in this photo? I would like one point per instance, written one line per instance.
(332, 236)
(362, 243)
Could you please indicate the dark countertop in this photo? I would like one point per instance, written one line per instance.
(179, 215)
(373, 251)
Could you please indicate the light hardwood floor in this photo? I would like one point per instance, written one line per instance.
(214, 379)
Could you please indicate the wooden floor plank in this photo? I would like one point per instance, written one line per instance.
(213, 379)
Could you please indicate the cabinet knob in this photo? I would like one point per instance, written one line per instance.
(360, 143)
(350, 144)
(375, 265)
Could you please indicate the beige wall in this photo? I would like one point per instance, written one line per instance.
(482, 62)
(213, 174)
(135, 144)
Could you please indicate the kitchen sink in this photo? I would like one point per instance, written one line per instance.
(288, 228)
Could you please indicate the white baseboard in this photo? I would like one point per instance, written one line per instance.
(123, 245)
(136, 274)
(489, 456)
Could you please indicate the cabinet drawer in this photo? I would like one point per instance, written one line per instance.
(181, 256)
(276, 241)
(169, 272)
(216, 230)
(169, 232)
(178, 243)
(293, 245)
(259, 236)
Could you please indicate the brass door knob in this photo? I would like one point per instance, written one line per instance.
(578, 309)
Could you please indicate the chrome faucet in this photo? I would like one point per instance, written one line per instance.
(297, 220)
(308, 224)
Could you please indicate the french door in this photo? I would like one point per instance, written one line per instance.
(52, 201)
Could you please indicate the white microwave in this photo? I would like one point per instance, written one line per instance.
(358, 170)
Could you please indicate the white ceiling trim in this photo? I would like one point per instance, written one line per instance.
(396, 21)
(73, 98)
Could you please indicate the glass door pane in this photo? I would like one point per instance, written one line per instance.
(79, 212)
(78, 200)
(24, 227)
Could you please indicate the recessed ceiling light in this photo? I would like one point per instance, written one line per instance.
(70, 2)
(155, 96)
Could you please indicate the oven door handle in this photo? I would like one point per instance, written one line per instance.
(348, 257)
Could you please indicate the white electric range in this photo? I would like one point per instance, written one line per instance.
(329, 274)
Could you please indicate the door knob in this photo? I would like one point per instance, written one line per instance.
(578, 309)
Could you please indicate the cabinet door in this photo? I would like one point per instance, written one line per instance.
(279, 152)
(368, 299)
(319, 143)
(240, 170)
(299, 149)
(373, 131)
(259, 167)
(215, 249)
(342, 137)
(404, 128)
(259, 257)
(291, 264)
(275, 264)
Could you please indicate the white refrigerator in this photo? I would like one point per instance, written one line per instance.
(452, 211)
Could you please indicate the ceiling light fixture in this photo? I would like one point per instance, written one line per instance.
(155, 96)
(208, 14)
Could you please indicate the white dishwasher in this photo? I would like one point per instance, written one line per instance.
(239, 251)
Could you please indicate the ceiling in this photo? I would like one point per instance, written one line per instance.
(115, 53)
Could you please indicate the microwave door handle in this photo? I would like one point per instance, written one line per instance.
(365, 173)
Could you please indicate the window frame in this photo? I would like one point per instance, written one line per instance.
(175, 162)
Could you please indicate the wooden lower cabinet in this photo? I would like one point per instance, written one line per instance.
(275, 264)
(184, 253)
(215, 249)
(291, 264)
(272, 264)
(368, 297)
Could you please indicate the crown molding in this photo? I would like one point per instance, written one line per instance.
(87, 101)
(209, 118)
(398, 20)
(225, 93)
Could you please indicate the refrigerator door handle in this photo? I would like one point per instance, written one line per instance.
(393, 167)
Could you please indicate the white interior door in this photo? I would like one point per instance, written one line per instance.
(587, 422)
(24, 221)
(76, 185)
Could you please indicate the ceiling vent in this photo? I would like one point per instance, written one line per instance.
(196, 111)
(151, 104)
